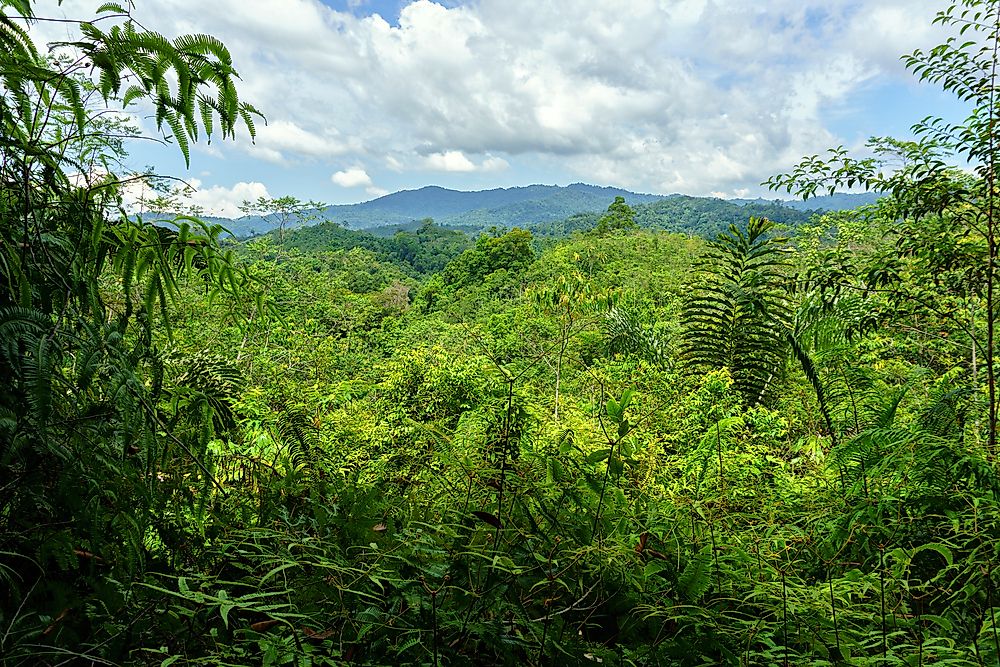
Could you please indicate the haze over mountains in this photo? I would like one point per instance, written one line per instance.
(542, 207)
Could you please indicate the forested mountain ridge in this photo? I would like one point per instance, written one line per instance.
(836, 202)
(509, 207)
(437, 202)
(425, 247)
(533, 206)
(699, 216)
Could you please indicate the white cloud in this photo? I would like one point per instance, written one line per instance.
(449, 161)
(282, 139)
(494, 164)
(457, 161)
(216, 200)
(354, 177)
(688, 95)
(225, 202)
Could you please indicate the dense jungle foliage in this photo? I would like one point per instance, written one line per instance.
(626, 447)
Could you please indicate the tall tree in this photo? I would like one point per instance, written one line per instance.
(920, 175)
(569, 299)
(619, 216)
(281, 212)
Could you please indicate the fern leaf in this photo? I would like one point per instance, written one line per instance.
(695, 580)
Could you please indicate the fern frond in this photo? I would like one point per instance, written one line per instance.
(626, 333)
(738, 316)
(696, 578)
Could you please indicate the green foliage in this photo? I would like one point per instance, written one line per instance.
(94, 462)
(627, 332)
(926, 187)
(510, 252)
(738, 316)
(620, 216)
(270, 457)
(421, 252)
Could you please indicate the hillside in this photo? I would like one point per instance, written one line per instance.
(416, 252)
(453, 206)
(546, 207)
(698, 216)
(837, 202)
(698, 432)
(500, 207)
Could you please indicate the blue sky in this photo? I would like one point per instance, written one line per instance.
(387, 9)
(365, 97)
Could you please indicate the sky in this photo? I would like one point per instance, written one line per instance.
(701, 97)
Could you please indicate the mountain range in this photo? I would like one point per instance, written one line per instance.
(532, 206)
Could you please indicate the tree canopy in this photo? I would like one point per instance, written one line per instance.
(629, 446)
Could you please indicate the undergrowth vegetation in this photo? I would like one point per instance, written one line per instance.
(624, 447)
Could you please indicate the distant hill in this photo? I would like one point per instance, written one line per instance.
(837, 202)
(554, 204)
(701, 216)
(423, 250)
(708, 217)
(532, 206)
(501, 207)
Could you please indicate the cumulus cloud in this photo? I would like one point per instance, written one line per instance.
(494, 164)
(282, 140)
(687, 95)
(225, 202)
(214, 200)
(450, 161)
(457, 161)
(354, 177)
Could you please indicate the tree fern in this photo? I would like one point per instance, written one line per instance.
(738, 316)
